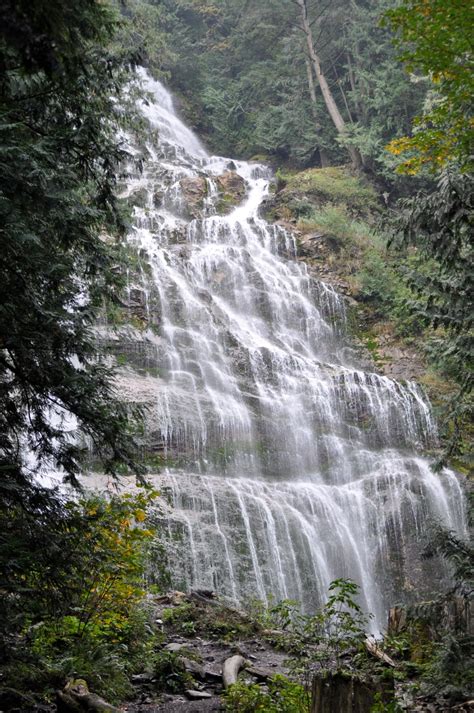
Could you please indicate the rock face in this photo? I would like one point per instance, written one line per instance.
(231, 188)
(227, 190)
(194, 191)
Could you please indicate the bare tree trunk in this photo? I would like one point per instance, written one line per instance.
(312, 88)
(343, 94)
(323, 157)
(328, 97)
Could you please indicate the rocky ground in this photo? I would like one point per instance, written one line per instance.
(198, 635)
(217, 633)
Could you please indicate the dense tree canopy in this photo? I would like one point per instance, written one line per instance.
(435, 38)
(59, 214)
(248, 87)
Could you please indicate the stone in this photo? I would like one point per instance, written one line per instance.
(174, 647)
(194, 190)
(142, 678)
(198, 695)
(232, 189)
(194, 668)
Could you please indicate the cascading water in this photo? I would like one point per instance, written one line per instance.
(294, 466)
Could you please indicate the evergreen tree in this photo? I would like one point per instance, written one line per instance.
(435, 37)
(60, 93)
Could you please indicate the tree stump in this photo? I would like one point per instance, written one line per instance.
(345, 694)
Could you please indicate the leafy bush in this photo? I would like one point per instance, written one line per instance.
(170, 672)
(74, 602)
(334, 221)
(283, 696)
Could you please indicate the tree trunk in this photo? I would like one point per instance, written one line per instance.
(312, 88)
(328, 97)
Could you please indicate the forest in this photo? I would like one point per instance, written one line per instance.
(236, 393)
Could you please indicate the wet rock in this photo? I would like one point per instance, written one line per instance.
(232, 183)
(158, 198)
(139, 198)
(231, 187)
(194, 191)
(194, 668)
(140, 679)
(261, 674)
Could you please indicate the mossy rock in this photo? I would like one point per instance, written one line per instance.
(232, 191)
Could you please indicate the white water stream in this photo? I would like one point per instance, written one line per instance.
(296, 466)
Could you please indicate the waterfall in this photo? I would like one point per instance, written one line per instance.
(292, 465)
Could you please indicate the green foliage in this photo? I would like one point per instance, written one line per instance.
(283, 696)
(439, 226)
(382, 284)
(381, 707)
(321, 639)
(333, 185)
(341, 624)
(436, 644)
(60, 218)
(217, 622)
(73, 597)
(170, 672)
(278, 615)
(335, 222)
(141, 33)
(459, 554)
(435, 39)
(246, 89)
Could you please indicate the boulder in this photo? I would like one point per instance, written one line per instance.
(231, 187)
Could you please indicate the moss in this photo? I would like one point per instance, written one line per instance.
(226, 203)
(334, 185)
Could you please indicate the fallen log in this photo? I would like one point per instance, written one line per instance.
(230, 670)
(374, 649)
(76, 698)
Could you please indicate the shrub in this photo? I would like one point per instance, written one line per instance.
(74, 603)
(283, 696)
